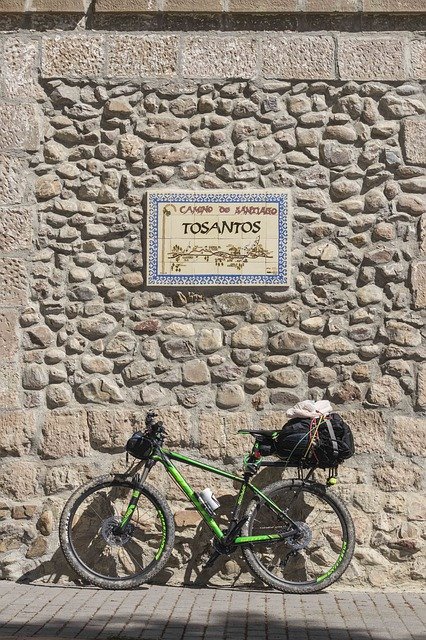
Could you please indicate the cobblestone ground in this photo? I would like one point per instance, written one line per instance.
(171, 613)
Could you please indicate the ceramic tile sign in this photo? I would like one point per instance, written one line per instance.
(218, 238)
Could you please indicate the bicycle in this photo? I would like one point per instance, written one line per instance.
(117, 532)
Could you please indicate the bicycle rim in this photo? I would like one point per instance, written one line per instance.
(95, 546)
(315, 558)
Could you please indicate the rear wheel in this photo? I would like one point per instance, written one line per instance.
(94, 550)
(313, 559)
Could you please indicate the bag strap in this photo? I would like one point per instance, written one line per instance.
(332, 438)
(313, 432)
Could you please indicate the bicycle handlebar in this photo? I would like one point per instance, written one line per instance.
(149, 418)
(153, 428)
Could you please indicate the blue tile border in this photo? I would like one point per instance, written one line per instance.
(279, 197)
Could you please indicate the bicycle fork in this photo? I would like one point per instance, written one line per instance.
(138, 482)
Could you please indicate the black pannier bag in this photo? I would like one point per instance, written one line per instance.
(139, 446)
(323, 442)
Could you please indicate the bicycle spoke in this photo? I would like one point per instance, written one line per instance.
(134, 557)
(96, 513)
(307, 555)
(106, 552)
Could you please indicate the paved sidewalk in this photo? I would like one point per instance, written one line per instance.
(174, 613)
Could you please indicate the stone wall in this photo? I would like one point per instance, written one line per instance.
(88, 121)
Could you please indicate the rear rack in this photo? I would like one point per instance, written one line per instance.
(281, 463)
(303, 473)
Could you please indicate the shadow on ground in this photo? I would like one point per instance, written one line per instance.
(237, 625)
(191, 550)
(184, 567)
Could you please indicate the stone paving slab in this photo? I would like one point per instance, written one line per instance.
(174, 613)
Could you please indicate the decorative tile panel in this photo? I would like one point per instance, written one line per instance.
(219, 238)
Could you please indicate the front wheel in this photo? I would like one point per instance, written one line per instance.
(91, 545)
(313, 559)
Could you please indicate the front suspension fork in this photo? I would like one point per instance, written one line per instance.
(138, 482)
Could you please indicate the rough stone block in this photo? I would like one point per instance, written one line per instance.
(177, 422)
(248, 337)
(12, 6)
(195, 372)
(126, 6)
(15, 229)
(237, 444)
(13, 277)
(37, 548)
(331, 6)
(192, 6)
(211, 434)
(10, 385)
(65, 477)
(369, 499)
(19, 127)
(72, 55)
(370, 58)
(421, 386)
(418, 59)
(273, 420)
(394, 6)
(170, 154)
(18, 480)
(214, 56)
(385, 392)
(230, 303)
(12, 179)
(109, 430)
(390, 476)
(145, 55)
(409, 435)
(187, 518)
(9, 343)
(99, 391)
(418, 283)
(262, 6)
(24, 511)
(298, 57)
(38, 337)
(17, 429)
(65, 433)
(58, 6)
(369, 429)
(229, 395)
(414, 140)
(18, 73)
(422, 233)
(210, 340)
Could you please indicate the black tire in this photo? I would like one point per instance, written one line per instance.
(108, 561)
(328, 541)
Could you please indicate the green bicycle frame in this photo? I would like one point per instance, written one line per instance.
(165, 457)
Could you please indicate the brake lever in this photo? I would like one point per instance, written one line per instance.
(160, 428)
(149, 419)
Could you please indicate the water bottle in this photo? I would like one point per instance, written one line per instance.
(209, 501)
